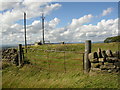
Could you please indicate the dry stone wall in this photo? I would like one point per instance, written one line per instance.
(107, 61)
(10, 55)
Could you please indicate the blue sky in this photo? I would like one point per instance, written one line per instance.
(65, 21)
(70, 10)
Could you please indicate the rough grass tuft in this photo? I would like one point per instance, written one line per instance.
(36, 72)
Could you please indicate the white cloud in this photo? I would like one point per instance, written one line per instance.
(7, 5)
(13, 11)
(107, 11)
(51, 7)
(77, 31)
(53, 23)
(80, 21)
(32, 9)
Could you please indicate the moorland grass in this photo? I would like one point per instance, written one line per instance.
(58, 69)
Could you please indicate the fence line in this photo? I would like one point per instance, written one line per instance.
(86, 66)
(48, 59)
(57, 51)
(49, 62)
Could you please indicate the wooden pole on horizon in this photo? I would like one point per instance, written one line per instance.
(43, 41)
(25, 32)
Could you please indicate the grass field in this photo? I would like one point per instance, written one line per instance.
(58, 69)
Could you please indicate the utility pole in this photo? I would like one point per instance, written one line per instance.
(25, 32)
(43, 41)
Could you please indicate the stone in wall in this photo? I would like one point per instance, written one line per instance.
(96, 65)
(112, 59)
(10, 55)
(109, 62)
(109, 53)
(93, 57)
(104, 55)
(116, 54)
(99, 53)
(117, 64)
(101, 59)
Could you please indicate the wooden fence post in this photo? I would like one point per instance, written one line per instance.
(20, 56)
(83, 60)
(86, 60)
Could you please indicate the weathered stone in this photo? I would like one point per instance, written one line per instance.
(109, 71)
(103, 67)
(104, 55)
(117, 54)
(112, 59)
(13, 51)
(109, 53)
(110, 63)
(15, 59)
(96, 65)
(101, 59)
(107, 67)
(111, 66)
(10, 55)
(93, 57)
(99, 53)
(117, 64)
(107, 63)
(115, 70)
(95, 69)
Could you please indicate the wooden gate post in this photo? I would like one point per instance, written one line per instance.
(87, 51)
(20, 58)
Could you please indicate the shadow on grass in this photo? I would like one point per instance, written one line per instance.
(26, 61)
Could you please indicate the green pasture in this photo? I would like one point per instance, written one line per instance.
(52, 69)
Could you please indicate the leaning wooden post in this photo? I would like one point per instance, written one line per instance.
(20, 54)
(86, 60)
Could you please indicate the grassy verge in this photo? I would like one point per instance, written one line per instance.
(57, 69)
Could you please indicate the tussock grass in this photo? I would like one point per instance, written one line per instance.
(46, 70)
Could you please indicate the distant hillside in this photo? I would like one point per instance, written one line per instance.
(8, 46)
(112, 39)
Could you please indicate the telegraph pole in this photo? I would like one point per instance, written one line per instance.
(43, 41)
(25, 32)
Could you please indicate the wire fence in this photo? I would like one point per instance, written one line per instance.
(54, 60)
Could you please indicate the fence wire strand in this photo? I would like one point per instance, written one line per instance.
(50, 60)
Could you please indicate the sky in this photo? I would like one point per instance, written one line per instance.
(64, 21)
